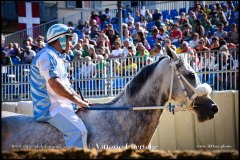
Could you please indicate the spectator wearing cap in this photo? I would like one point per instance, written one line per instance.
(117, 52)
(199, 28)
(220, 32)
(175, 34)
(6, 60)
(233, 35)
(194, 43)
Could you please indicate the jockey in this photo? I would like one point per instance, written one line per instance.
(54, 100)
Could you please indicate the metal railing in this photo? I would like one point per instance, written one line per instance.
(110, 78)
(84, 14)
(20, 36)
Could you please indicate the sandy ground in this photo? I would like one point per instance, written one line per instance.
(75, 153)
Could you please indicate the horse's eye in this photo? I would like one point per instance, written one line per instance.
(191, 75)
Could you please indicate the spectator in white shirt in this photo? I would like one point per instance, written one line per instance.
(28, 54)
(117, 52)
(220, 32)
(135, 31)
(126, 45)
(194, 43)
(88, 69)
(129, 19)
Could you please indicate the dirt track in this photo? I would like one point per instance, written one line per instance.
(75, 153)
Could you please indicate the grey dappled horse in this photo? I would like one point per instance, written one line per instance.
(168, 78)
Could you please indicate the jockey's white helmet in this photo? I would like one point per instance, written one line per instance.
(59, 31)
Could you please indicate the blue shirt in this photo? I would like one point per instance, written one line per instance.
(48, 63)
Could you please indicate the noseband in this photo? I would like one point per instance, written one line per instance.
(190, 99)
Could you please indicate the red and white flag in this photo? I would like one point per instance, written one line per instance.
(28, 16)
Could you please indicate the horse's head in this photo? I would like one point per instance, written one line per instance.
(187, 90)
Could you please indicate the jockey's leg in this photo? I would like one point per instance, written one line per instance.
(72, 128)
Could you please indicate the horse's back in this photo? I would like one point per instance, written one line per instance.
(19, 129)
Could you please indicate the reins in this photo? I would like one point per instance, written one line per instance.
(171, 108)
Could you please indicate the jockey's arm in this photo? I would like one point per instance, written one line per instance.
(56, 84)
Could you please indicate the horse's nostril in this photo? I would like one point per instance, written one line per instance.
(214, 108)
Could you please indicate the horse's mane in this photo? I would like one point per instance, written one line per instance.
(138, 81)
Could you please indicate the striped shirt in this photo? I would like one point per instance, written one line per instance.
(48, 63)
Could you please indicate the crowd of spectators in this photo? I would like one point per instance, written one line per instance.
(200, 29)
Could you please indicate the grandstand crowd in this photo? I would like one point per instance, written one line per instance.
(193, 31)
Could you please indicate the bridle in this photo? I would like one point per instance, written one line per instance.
(172, 108)
(190, 99)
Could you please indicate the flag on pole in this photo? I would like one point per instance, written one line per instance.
(28, 16)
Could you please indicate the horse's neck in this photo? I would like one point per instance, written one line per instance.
(137, 127)
(143, 123)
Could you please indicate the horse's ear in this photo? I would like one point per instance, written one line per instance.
(171, 51)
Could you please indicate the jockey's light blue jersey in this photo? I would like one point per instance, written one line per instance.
(48, 63)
